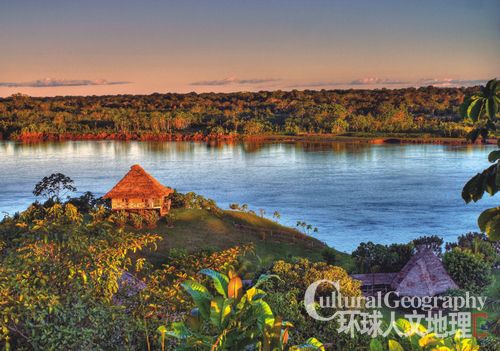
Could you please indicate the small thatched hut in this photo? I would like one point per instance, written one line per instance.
(138, 191)
(423, 275)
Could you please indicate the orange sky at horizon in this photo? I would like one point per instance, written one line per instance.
(58, 47)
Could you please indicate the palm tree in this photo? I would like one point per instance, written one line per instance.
(482, 109)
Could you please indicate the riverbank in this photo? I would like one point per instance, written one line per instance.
(34, 137)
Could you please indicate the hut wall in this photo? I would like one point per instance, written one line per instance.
(135, 203)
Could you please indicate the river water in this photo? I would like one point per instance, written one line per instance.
(350, 192)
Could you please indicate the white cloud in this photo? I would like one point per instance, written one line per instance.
(234, 81)
(52, 82)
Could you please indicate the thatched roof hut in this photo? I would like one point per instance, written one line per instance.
(423, 275)
(138, 190)
(139, 184)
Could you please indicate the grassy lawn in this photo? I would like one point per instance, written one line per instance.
(196, 230)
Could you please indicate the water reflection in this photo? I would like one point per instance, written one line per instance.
(352, 192)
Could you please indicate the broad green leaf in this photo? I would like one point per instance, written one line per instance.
(474, 109)
(497, 176)
(200, 296)
(220, 308)
(493, 228)
(193, 320)
(494, 156)
(428, 340)
(486, 216)
(263, 313)
(485, 181)
(395, 346)
(492, 107)
(309, 345)
(464, 106)
(220, 280)
(179, 331)
(376, 345)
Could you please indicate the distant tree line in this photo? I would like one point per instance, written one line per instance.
(430, 110)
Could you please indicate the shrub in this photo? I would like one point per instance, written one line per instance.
(120, 218)
(194, 201)
(71, 273)
(286, 298)
(303, 272)
(151, 218)
(468, 270)
(370, 257)
(329, 255)
(231, 319)
(416, 337)
(478, 244)
(137, 220)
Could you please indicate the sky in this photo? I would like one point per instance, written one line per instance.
(89, 47)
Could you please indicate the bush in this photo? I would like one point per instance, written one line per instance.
(194, 201)
(286, 298)
(478, 244)
(137, 220)
(468, 270)
(231, 319)
(370, 257)
(120, 218)
(329, 255)
(151, 218)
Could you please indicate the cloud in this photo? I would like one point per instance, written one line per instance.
(371, 81)
(376, 81)
(52, 82)
(450, 82)
(383, 82)
(234, 81)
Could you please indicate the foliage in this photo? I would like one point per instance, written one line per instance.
(233, 319)
(51, 186)
(151, 218)
(120, 218)
(137, 220)
(478, 244)
(375, 258)
(432, 242)
(163, 296)
(301, 273)
(286, 298)
(329, 255)
(85, 202)
(306, 228)
(468, 270)
(194, 201)
(58, 278)
(425, 110)
(414, 336)
(482, 109)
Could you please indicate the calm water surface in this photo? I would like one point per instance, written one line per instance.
(351, 192)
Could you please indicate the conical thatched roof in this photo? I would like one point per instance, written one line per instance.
(423, 275)
(137, 183)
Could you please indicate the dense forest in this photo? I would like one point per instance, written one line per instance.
(424, 111)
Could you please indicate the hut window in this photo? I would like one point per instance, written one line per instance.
(156, 203)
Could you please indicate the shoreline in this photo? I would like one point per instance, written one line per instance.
(231, 138)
